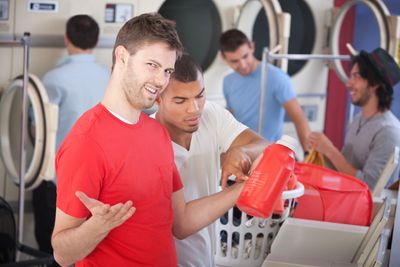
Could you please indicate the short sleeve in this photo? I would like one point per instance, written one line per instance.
(176, 182)
(284, 90)
(53, 89)
(79, 167)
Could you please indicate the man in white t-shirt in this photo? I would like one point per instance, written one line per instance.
(205, 138)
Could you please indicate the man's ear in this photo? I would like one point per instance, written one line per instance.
(121, 54)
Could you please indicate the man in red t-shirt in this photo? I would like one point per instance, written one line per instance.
(119, 195)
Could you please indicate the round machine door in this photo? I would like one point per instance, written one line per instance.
(266, 25)
(40, 136)
(199, 26)
(305, 38)
(386, 30)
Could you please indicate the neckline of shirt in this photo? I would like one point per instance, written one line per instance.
(121, 119)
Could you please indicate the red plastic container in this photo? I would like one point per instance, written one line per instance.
(264, 188)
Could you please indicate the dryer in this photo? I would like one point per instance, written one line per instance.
(41, 132)
(308, 34)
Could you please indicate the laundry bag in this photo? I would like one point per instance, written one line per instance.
(332, 196)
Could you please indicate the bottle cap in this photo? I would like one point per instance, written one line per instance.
(288, 142)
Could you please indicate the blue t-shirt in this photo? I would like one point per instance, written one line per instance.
(242, 95)
(76, 84)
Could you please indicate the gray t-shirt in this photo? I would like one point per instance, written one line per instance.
(369, 144)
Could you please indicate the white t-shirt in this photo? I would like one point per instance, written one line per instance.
(200, 173)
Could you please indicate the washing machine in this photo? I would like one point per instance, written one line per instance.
(40, 141)
(385, 25)
(307, 33)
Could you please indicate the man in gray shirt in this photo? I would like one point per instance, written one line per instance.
(375, 131)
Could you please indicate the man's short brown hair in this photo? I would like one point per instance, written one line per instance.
(145, 29)
(231, 40)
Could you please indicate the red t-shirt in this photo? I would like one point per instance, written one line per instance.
(113, 162)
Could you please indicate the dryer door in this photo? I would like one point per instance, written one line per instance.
(266, 25)
(387, 27)
(199, 26)
(40, 136)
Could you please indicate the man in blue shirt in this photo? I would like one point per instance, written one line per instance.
(242, 90)
(76, 84)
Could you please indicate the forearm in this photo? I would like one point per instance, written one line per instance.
(249, 143)
(339, 161)
(255, 148)
(201, 212)
(303, 130)
(74, 244)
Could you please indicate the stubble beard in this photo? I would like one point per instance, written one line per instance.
(135, 95)
(363, 100)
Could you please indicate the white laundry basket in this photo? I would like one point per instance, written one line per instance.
(245, 241)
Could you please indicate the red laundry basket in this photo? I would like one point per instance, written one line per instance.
(332, 196)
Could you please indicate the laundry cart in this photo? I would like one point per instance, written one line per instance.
(243, 240)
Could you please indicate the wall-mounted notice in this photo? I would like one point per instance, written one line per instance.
(43, 6)
(118, 13)
(4, 9)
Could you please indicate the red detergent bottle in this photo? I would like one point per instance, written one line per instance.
(264, 187)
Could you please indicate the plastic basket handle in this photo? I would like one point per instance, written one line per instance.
(294, 193)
